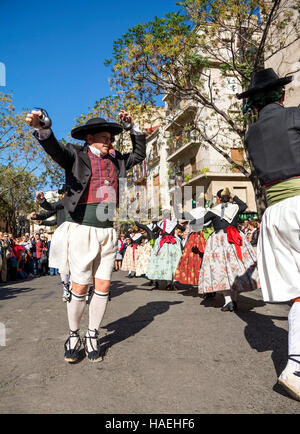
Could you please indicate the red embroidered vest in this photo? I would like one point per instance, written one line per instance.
(103, 184)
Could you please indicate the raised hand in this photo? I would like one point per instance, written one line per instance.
(31, 216)
(33, 119)
(125, 117)
(40, 197)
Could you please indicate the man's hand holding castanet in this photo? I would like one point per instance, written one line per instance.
(31, 216)
(125, 117)
(34, 118)
(40, 197)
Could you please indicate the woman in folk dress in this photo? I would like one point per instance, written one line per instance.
(132, 254)
(150, 232)
(229, 261)
(188, 268)
(165, 255)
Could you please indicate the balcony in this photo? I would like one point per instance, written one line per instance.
(153, 159)
(206, 169)
(180, 147)
(184, 112)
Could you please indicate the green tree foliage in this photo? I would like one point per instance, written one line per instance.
(17, 199)
(180, 53)
(20, 150)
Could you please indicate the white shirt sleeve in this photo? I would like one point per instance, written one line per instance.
(136, 130)
(44, 134)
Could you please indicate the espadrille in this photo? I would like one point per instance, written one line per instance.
(289, 379)
(72, 354)
(94, 355)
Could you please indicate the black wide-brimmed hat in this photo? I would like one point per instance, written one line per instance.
(96, 125)
(265, 79)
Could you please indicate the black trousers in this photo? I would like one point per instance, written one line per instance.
(43, 268)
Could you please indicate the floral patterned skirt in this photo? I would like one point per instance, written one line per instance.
(163, 262)
(222, 270)
(143, 259)
(129, 262)
(188, 268)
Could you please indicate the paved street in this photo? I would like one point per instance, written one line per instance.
(165, 352)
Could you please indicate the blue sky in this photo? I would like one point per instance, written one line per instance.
(54, 51)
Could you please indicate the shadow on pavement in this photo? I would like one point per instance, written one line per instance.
(263, 335)
(245, 304)
(119, 287)
(132, 324)
(7, 293)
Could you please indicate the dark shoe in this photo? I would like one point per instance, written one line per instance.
(229, 307)
(72, 354)
(94, 355)
(209, 295)
(66, 296)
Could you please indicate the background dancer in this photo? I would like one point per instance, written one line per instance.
(229, 261)
(150, 232)
(165, 255)
(120, 252)
(188, 268)
(55, 208)
(273, 144)
(132, 253)
(86, 243)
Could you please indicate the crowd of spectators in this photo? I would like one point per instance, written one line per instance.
(24, 257)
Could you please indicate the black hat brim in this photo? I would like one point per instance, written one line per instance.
(274, 83)
(82, 131)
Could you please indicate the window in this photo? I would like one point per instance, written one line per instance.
(237, 155)
(241, 193)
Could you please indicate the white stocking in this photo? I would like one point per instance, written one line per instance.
(75, 310)
(96, 313)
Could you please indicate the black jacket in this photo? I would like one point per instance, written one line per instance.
(273, 143)
(56, 208)
(44, 216)
(218, 223)
(76, 162)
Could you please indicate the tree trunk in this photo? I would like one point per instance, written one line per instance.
(260, 195)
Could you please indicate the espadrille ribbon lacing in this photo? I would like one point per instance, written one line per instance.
(93, 349)
(72, 354)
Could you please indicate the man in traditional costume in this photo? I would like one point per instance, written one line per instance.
(273, 145)
(229, 260)
(85, 245)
